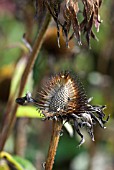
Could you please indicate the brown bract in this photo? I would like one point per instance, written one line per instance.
(71, 13)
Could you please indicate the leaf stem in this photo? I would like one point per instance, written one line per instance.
(36, 48)
(57, 126)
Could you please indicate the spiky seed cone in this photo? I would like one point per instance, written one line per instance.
(63, 94)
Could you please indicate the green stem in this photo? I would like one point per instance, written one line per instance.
(57, 126)
(36, 48)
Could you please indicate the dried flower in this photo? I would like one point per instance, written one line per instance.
(63, 98)
(70, 12)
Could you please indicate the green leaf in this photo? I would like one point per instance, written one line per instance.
(28, 111)
(10, 161)
(27, 165)
(15, 162)
(17, 75)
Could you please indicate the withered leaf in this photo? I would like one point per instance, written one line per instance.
(54, 8)
(72, 7)
(67, 24)
(71, 23)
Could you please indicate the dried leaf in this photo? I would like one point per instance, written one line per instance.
(89, 29)
(67, 24)
(89, 8)
(54, 8)
(72, 7)
(70, 13)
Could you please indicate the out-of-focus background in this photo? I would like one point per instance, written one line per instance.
(95, 67)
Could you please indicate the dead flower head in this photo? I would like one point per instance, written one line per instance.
(74, 17)
(63, 98)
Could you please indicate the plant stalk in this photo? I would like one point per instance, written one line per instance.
(57, 126)
(36, 48)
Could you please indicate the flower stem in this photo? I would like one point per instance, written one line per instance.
(57, 126)
(9, 123)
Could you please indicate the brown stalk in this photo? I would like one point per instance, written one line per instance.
(57, 126)
(36, 48)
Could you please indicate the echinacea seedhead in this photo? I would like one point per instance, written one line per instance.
(63, 98)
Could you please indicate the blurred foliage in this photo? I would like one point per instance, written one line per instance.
(95, 67)
(23, 112)
(14, 162)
